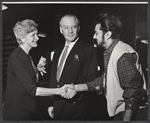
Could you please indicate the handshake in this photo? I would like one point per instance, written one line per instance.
(67, 91)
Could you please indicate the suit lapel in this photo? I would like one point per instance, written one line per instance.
(28, 60)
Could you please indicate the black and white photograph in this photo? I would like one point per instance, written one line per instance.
(74, 61)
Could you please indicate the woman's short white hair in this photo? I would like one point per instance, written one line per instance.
(22, 28)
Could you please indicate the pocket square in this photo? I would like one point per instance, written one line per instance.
(76, 57)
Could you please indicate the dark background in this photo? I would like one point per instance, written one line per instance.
(133, 17)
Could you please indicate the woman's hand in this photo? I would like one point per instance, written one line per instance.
(41, 64)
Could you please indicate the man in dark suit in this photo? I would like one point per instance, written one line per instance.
(78, 65)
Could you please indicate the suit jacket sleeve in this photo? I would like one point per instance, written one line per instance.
(21, 71)
(90, 65)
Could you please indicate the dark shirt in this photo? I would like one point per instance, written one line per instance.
(129, 77)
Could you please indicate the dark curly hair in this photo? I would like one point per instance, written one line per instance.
(109, 22)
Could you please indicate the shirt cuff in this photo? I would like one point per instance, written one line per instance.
(128, 105)
(91, 86)
(33, 92)
(133, 98)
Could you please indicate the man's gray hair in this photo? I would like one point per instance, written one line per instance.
(69, 15)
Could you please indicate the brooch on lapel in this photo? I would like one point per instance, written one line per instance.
(76, 58)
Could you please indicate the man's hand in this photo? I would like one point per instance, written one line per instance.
(127, 115)
(51, 111)
(70, 91)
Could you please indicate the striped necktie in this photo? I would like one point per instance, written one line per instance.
(61, 63)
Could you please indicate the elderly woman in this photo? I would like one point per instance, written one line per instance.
(19, 98)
